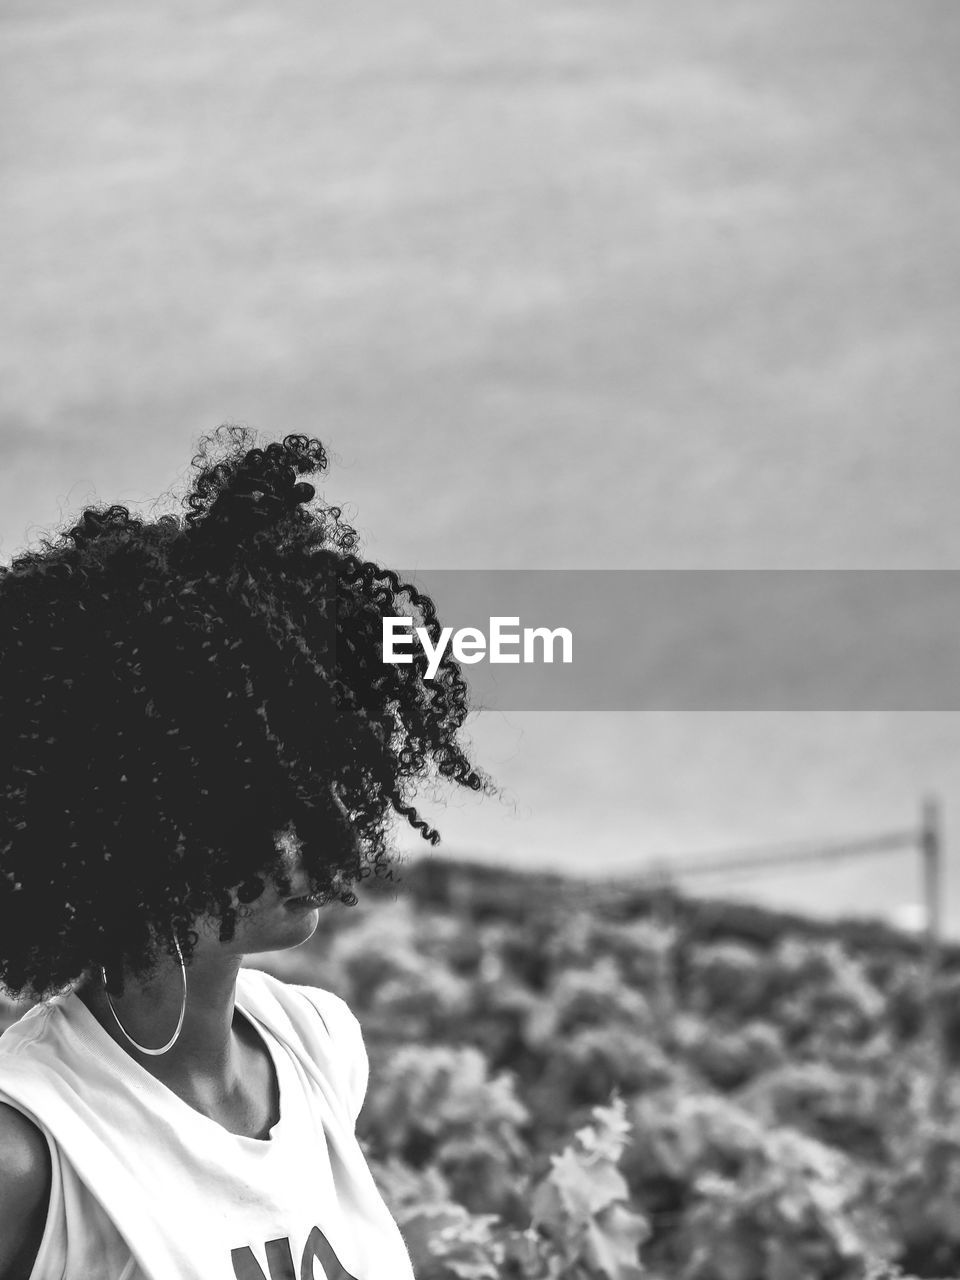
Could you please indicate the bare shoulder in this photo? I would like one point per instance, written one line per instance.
(25, 1176)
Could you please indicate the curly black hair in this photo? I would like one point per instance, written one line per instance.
(175, 693)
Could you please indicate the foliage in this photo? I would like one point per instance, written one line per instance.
(438, 1106)
(578, 1226)
(560, 1092)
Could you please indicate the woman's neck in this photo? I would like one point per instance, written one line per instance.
(206, 1052)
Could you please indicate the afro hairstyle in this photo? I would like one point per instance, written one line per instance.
(175, 693)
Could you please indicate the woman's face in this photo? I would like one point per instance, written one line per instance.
(273, 921)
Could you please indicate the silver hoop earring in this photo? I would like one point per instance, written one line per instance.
(183, 1009)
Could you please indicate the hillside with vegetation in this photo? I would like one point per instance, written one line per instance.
(570, 1083)
(577, 1084)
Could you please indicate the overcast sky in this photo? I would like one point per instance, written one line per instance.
(569, 284)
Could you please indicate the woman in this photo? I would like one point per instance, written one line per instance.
(205, 747)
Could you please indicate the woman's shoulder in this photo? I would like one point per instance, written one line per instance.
(324, 1024)
(25, 1179)
(24, 1156)
(257, 984)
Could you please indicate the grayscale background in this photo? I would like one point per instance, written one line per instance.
(575, 284)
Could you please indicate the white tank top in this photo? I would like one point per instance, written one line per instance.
(147, 1188)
